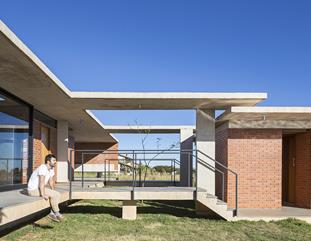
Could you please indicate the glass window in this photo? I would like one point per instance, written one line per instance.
(14, 138)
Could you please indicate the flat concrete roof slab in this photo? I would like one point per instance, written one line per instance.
(164, 100)
(266, 113)
(23, 74)
(26, 76)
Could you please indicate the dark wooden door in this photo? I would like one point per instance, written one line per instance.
(292, 169)
(289, 168)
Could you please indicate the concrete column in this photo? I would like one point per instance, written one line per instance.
(186, 143)
(62, 151)
(129, 210)
(205, 142)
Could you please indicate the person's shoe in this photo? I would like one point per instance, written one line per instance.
(53, 217)
(60, 218)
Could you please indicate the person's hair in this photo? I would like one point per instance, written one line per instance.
(49, 157)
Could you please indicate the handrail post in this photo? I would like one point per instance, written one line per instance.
(82, 170)
(71, 175)
(236, 195)
(196, 173)
(190, 165)
(174, 172)
(109, 177)
(105, 173)
(223, 187)
(7, 170)
(139, 171)
(133, 172)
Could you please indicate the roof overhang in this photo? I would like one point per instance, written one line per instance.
(164, 100)
(25, 75)
(266, 113)
(267, 117)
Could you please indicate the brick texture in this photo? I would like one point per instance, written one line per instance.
(110, 156)
(37, 145)
(256, 155)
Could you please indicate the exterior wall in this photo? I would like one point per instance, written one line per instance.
(71, 154)
(256, 155)
(109, 158)
(222, 157)
(303, 170)
(37, 144)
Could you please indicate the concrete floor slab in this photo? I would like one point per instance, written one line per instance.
(255, 214)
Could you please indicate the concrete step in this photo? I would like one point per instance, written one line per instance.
(220, 202)
(215, 205)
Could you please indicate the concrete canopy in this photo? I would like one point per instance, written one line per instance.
(164, 100)
(26, 76)
(294, 118)
(266, 113)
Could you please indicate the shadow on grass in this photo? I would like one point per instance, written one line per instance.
(174, 208)
(90, 209)
(42, 226)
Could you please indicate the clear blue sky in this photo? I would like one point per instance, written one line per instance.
(171, 45)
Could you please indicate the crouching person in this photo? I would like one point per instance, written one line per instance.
(43, 175)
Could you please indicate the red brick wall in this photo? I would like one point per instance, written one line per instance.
(256, 155)
(222, 157)
(37, 159)
(112, 156)
(303, 170)
(36, 144)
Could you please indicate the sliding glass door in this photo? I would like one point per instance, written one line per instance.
(14, 141)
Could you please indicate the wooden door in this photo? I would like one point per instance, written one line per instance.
(45, 142)
(292, 169)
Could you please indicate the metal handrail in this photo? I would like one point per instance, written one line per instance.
(135, 168)
(134, 158)
(236, 180)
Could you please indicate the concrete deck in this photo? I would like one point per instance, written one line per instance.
(267, 215)
(14, 205)
(90, 191)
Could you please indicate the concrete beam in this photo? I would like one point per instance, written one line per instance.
(205, 142)
(167, 129)
(264, 113)
(62, 151)
(270, 124)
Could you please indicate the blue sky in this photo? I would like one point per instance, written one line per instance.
(171, 45)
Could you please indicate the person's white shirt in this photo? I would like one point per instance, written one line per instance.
(42, 170)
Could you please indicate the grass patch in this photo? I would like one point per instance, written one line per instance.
(100, 220)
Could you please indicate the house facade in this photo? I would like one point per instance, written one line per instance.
(268, 147)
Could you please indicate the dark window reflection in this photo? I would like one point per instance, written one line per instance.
(14, 128)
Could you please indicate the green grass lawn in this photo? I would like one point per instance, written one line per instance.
(99, 220)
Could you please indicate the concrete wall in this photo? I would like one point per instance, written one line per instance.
(205, 142)
(256, 155)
